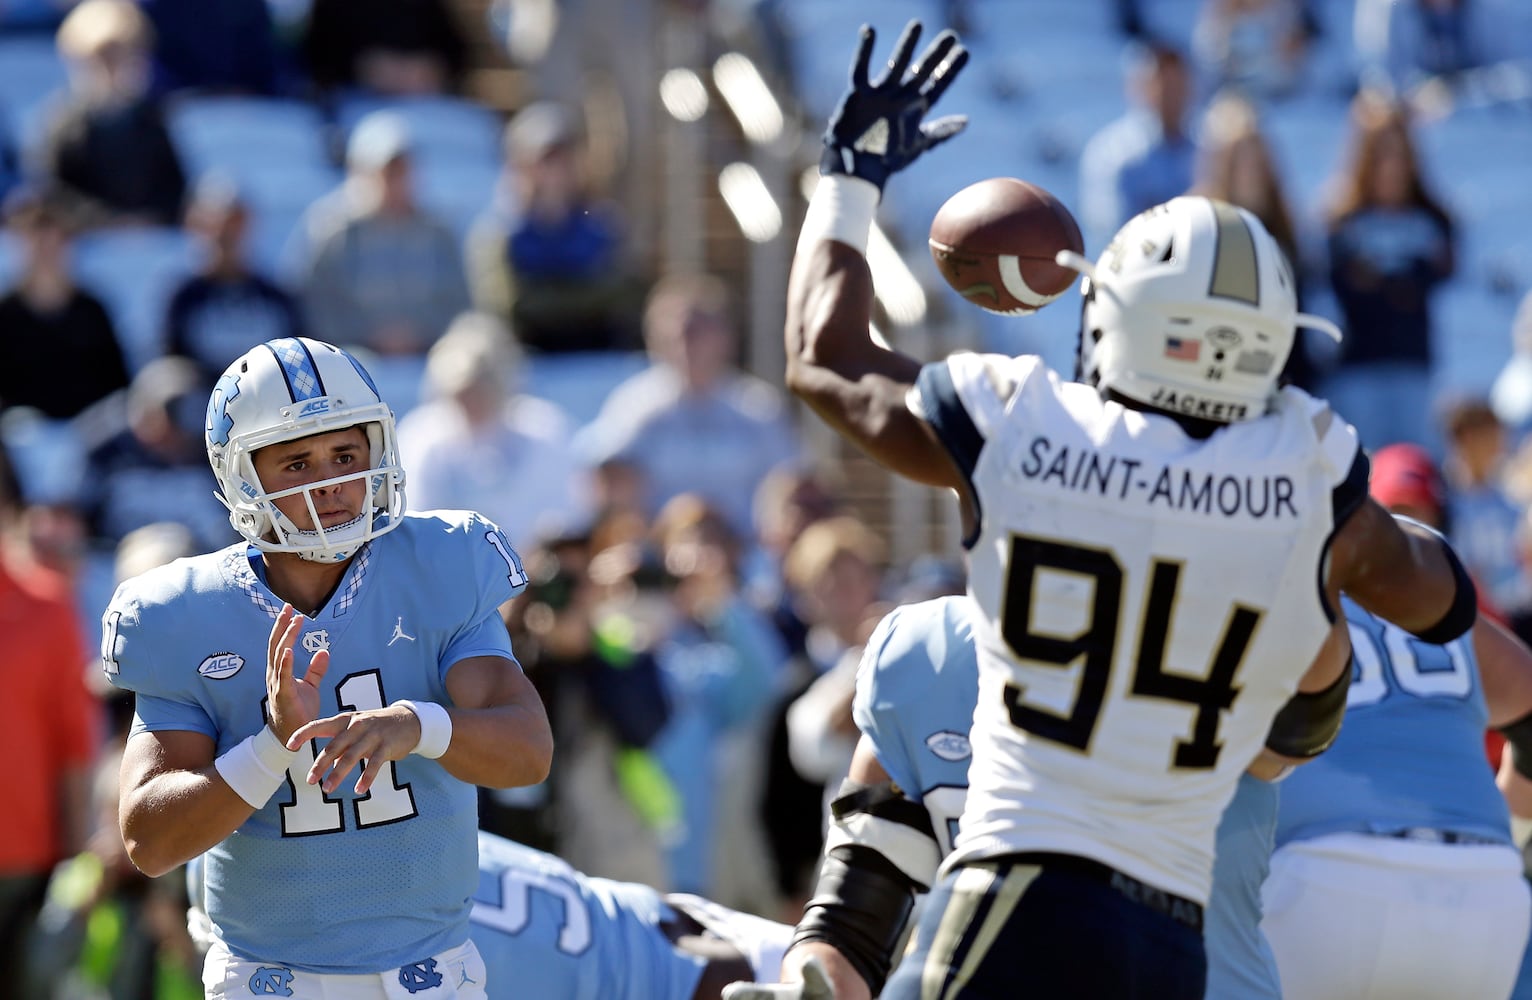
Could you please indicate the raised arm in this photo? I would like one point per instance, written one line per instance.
(1403, 572)
(857, 386)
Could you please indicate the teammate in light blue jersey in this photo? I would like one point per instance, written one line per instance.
(318, 880)
(1394, 873)
(556, 932)
(545, 929)
(1402, 817)
(915, 693)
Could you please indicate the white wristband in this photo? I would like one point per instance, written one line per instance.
(841, 209)
(255, 766)
(435, 727)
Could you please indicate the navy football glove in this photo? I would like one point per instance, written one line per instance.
(879, 128)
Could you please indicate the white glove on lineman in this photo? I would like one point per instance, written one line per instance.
(815, 986)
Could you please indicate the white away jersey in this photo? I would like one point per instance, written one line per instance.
(328, 883)
(1148, 602)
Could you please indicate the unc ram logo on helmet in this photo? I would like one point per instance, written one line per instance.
(294, 388)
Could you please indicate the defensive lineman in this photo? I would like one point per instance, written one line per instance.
(321, 883)
(1134, 653)
(915, 691)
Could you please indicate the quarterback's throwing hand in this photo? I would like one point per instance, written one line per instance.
(815, 986)
(879, 128)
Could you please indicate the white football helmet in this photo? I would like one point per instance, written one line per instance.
(1192, 308)
(292, 388)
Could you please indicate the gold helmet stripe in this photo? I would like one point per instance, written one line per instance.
(1235, 272)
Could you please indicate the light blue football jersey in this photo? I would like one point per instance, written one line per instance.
(331, 883)
(915, 694)
(1411, 749)
(553, 931)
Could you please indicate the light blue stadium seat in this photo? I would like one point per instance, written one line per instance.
(10, 260)
(1472, 335)
(32, 76)
(579, 384)
(49, 455)
(244, 135)
(134, 271)
(457, 193)
(822, 35)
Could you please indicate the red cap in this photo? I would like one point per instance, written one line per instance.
(1403, 475)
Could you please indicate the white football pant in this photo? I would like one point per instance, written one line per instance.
(1356, 917)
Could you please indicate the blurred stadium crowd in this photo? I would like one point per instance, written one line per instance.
(558, 232)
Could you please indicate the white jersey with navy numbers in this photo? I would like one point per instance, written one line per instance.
(329, 883)
(915, 692)
(1410, 754)
(547, 930)
(1148, 602)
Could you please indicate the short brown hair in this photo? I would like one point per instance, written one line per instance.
(823, 542)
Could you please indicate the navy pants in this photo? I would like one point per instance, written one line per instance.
(1045, 926)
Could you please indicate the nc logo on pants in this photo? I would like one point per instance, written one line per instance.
(269, 982)
(420, 976)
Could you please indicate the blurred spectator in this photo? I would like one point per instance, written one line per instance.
(49, 742)
(1511, 395)
(1145, 157)
(213, 46)
(1482, 518)
(479, 442)
(834, 572)
(1401, 44)
(108, 930)
(606, 700)
(58, 350)
(582, 53)
(383, 273)
(225, 308)
(397, 48)
(1235, 164)
(693, 422)
(108, 146)
(788, 501)
(721, 660)
(553, 265)
(1390, 246)
(1256, 45)
(159, 463)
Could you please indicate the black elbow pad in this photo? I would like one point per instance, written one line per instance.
(1464, 610)
(1309, 722)
(860, 907)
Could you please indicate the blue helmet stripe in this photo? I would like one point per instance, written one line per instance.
(363, 372)
(298, 368)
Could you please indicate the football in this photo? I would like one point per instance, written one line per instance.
(995, 242)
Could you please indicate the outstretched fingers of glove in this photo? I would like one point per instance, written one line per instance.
(904, 51)
(933, 56)
(943, 73)
(863, 58)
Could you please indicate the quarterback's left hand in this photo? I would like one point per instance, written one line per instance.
(815, 986)
(376, 736)
(879, 128)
